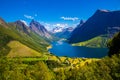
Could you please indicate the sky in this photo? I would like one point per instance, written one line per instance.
(53, 13)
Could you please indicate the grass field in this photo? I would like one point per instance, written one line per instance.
(20, 50)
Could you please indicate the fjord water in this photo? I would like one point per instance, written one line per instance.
(64, 49)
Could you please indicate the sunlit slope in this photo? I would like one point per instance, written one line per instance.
(20, 50)
(97, 42)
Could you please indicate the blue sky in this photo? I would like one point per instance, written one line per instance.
(54, 13)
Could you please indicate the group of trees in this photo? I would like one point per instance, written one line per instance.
(114, 45)
(17, 70)
(107, 68)
(104, 69)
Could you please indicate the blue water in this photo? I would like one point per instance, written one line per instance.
(64, 49)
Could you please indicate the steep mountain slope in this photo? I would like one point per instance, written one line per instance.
(23, 34)
(39, 29)
(20, 26)
(96, 25)
(2, 22)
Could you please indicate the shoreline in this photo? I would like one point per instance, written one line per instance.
(49, 47)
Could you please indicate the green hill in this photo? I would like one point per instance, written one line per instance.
(97, 42)
(9, 33)
(20, 50)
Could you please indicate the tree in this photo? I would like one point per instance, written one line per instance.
(114, 45)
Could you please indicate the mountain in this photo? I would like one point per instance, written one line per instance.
(63, 32)
(57, 29)
(39, 29)
(18, 32)
(81, 23)
(98, 24)
(2, 22)
(21, 26)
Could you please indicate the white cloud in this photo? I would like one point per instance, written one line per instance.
(60, 25)
(28, 16)
(24, 22)
(70, 18)
(48, 26)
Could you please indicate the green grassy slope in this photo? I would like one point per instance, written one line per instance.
(97, 42)
(32, 40)
(20, 50)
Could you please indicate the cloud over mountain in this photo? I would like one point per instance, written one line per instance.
(60, 25)
(70, 18)
(28, 16)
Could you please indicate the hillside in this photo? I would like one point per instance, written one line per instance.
(10, 32)
(97, 42)
(100, 23)
(20, 50)
(39, 29)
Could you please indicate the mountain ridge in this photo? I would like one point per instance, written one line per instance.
(96, 25)
(64, 33)
(39, 29)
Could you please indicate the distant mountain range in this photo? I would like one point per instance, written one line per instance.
(102, 22)
(57, 29)
(36, 36)
(62, 32)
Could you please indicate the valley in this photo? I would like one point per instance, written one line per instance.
(81, 50)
